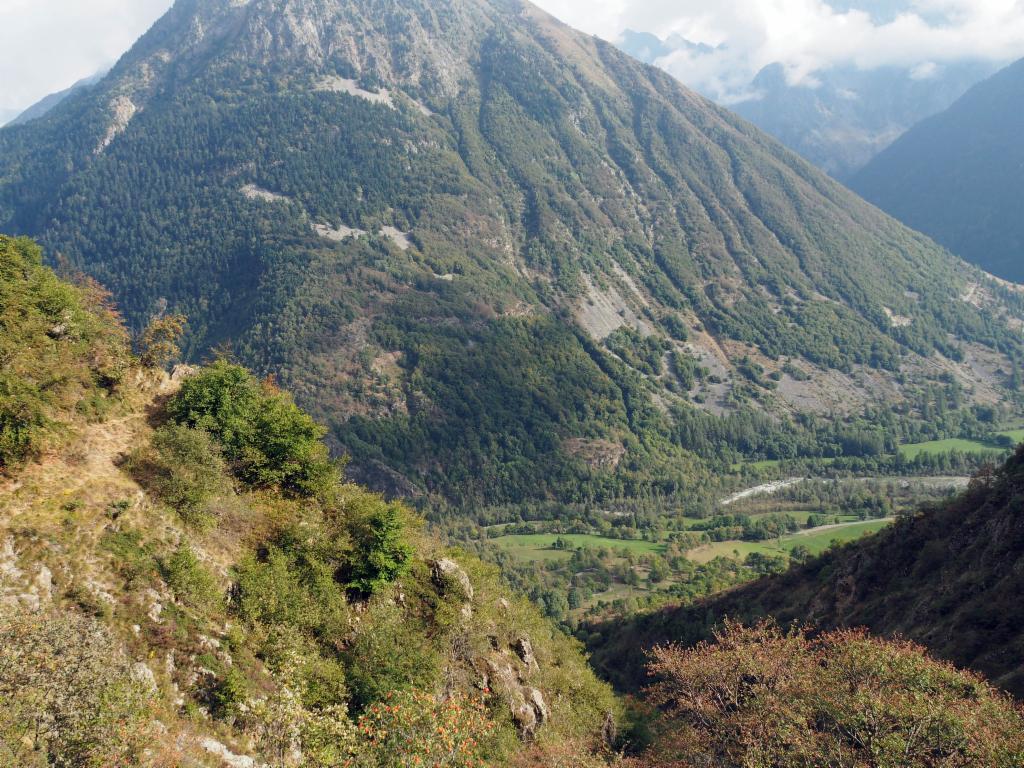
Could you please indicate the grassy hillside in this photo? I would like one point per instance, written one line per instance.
(502, 261)
(62, 351)
(946, 577)
(184, 581)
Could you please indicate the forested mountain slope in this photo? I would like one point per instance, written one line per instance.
(502, 260)
(949, 578)
(956, 176)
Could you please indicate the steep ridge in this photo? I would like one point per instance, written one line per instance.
(485, 248)
(956, 177)
(949, 578)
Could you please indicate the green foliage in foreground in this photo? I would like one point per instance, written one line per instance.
(340, 614)
(61, 350)
(184, 467)
(764, 697)
(69, 698)
(267, 438)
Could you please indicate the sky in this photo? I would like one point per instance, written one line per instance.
(47, 45)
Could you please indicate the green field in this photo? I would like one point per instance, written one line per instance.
(1017, 435)
(816, 540)
(540, 546)
(914, 450)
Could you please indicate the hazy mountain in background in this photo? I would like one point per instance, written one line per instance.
(44, 105)
(959, 177)
(850, 115)
(503, 260)
(839, 118)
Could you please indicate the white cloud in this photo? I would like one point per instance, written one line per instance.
(806, 36)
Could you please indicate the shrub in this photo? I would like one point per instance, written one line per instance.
(190, 581)
(380, 552)
(159, 343)
(22, 420)
(764, 697)
(292, 586)
(415, 728)
(63, 350)
(269, 441)
(69, 697)
(391, 651)
(229, 694)
(185, 469)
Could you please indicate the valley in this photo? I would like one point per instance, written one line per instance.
(428, 384)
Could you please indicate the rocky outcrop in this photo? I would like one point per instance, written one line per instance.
(451, 579)
(453, 583)
(508, 674)
(523, 648)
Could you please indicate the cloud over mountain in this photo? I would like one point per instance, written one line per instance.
(808, 36)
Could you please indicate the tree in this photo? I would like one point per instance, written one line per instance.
(659, 571)
(159, 344)
(800, 554)
(266, 437)
(380, 552)
(184, 468)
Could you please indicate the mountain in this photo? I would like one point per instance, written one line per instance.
(503, 261)
(47, 103)
(848, 115)
(956, 177)
(841, 117)
(6, 115)
(184, 581)
(948, 578)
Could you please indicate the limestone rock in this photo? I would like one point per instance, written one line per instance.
(44, 583)
(540, 708)
(448, 574)
(144, 675)
(228, 757)
(523, 649)
(182, 372)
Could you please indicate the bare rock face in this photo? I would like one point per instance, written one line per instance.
(536, 701)
(181, 372)
(506, 674)
(450, 579)
(143, 675)
(529, 711)
(452, 582)
(609, 730)
(523, 648)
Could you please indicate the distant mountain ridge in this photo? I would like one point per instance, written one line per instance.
(957, 177)
(47, 103)
(504, 261)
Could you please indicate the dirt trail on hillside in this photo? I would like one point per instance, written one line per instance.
(85, 472)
